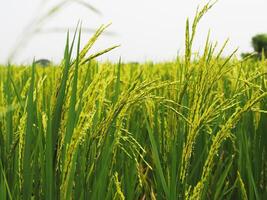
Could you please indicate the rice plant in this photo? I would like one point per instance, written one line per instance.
(193, 128)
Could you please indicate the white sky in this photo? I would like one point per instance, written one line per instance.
(146, 29)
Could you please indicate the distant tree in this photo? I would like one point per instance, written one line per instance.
(43, 62)
(259, 44)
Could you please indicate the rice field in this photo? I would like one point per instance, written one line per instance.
(192, 128)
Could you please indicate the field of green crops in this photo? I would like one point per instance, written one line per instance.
(192, 128)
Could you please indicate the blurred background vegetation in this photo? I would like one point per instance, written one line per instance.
(46, 12)
(259, 44)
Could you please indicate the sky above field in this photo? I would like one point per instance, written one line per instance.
(145, 29)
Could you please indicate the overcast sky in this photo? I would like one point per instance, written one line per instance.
(145, 29)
